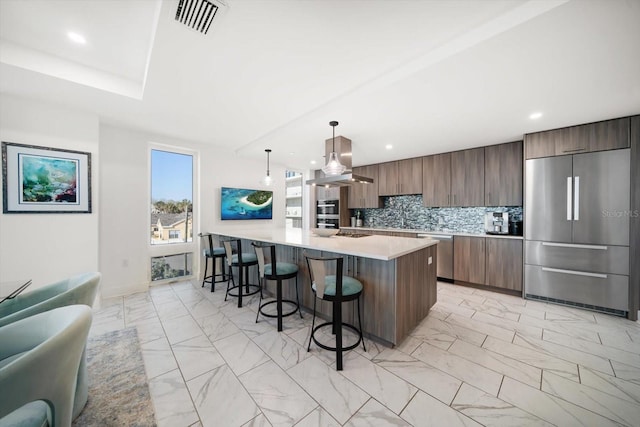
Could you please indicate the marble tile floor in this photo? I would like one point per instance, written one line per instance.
(479, 358)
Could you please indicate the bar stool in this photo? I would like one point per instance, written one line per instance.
(236, 258)
(335, 288)
(283, 271)
(213, 253)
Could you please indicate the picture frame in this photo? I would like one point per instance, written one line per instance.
(45, 180)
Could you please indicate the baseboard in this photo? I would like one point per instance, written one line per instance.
(118, 291)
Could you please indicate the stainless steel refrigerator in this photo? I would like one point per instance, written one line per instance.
(577, 211)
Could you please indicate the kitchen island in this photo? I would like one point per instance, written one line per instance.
(398, 274)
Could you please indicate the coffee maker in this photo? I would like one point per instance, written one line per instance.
(496, 223)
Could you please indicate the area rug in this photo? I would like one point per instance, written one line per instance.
(118, 389)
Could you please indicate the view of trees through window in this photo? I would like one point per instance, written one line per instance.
(171, 197)
(171, 212)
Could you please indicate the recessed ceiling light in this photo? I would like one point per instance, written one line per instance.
(76, 38)
(292, 153)
(313, 162)
(388, 146)
(535, 116)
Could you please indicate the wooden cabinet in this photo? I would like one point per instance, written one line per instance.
(436, 180)
(454, 179)
(503, 174)
(504, 263)
(467, 177)
(400, 177)
(365, 195)
(469, 259)
(599, 136)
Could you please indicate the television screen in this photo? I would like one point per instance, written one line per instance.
(240, 203)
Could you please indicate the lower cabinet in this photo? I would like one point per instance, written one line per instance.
(469, 259)
(504, 263)
(495, 262)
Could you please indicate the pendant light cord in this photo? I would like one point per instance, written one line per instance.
(268, 150)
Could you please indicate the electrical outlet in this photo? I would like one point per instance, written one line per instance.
(430, 260)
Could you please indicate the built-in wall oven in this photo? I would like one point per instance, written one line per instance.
(328, 214)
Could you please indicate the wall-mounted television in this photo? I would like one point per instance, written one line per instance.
(241, 203)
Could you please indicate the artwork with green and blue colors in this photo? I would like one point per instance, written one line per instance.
(48, 179)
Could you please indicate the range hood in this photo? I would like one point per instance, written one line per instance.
(343, 148)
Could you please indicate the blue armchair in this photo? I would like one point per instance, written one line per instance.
(39, 360)
(79, 289)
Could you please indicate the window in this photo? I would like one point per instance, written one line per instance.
(293, 212)
(171, 266)
(171, 197)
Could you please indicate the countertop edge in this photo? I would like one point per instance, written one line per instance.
(446, 233)
(317, 244)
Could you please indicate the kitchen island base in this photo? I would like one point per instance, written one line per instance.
(398, 292)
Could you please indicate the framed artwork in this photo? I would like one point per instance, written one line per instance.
(45, 180)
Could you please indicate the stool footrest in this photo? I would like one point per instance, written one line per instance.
(275, 316)
(254, 290)
(326, 347)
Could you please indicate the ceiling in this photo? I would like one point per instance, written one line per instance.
(423, 76)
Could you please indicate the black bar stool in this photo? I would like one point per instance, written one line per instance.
(282, 271)
(236, 258)
(337, 289)
(213, 253)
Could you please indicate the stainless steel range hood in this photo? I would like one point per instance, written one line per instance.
(340, 180)
(343, 148)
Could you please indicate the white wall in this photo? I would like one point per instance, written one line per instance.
(114, 238)
(125, 251)
(49, 247)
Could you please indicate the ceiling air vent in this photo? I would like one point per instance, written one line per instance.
(197, 14)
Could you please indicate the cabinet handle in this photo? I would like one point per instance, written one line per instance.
(568, 198)
(577, 273)
(573, 150)
(576, 198)
(573, 245)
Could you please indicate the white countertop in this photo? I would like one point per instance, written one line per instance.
(375, 247)
(442, 233)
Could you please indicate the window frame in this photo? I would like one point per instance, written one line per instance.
(175, 248)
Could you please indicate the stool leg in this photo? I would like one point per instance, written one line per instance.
(298, 298)
(230, 280)
(360, 322)
(279, 303)
(206, 265)
(240, 284)
(213, 275)
(313, 322)
(259, 302)
(246, 276)
(337, 323)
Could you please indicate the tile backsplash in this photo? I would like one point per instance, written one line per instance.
(408, 212)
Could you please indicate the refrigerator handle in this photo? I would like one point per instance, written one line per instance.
(576, 199)
(569, 198)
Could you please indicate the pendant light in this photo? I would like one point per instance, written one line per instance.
(267, 180)
(333, 166)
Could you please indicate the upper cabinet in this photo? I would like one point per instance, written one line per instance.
(365, 195)
(599, 136)
(400, 177)
(436, 180)
(503, 174)
(454, 179)
(467, 177)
